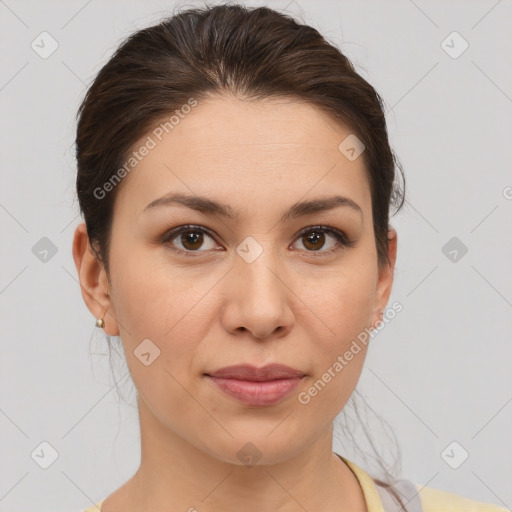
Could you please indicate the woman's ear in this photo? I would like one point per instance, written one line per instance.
(385, 280)
(93, 281)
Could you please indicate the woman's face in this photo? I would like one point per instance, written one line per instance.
(251, 288)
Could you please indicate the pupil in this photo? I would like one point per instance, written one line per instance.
(314, 238)
(193, 238)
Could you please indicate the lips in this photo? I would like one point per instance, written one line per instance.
(257, 386)
(265, 373)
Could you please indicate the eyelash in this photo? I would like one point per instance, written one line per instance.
(341, 238)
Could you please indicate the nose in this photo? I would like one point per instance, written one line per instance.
(258, 298)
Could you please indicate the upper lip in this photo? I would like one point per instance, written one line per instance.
(265, 373)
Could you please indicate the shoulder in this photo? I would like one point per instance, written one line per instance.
(435, 500)
(95, 508)
(431, 499)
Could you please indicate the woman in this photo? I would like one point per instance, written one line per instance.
(235, 177)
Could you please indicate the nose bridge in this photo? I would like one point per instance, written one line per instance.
(258, 292)
(256, 266)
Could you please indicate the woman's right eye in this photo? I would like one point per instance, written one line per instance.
(191, 238)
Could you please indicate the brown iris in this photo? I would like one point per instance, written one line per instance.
(317, 239)
(195, 238)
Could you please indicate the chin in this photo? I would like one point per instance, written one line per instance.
(257, 448)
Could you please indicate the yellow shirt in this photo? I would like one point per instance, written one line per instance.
(432, 500)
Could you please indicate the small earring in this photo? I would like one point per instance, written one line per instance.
(381, 316)
(100, 322)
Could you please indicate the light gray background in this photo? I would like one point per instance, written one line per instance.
(440, 372)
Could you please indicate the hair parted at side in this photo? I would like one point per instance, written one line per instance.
(250, 53)
(253, 53)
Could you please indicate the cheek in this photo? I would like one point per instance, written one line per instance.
(154, 299)
(158, 304)
(344, 306)
(344, 303)
(169, 307)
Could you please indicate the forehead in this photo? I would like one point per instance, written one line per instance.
(245, 151)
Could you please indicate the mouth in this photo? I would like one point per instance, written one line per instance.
(253, 386)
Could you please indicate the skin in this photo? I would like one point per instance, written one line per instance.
(291, 305)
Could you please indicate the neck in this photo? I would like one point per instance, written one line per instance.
(176, 475)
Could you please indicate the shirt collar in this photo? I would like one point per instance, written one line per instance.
(368, 486)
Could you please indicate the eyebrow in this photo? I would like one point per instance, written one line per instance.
(210, 207)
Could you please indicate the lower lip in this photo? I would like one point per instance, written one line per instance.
(256, 393)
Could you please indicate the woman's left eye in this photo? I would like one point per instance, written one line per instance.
(313, 239)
